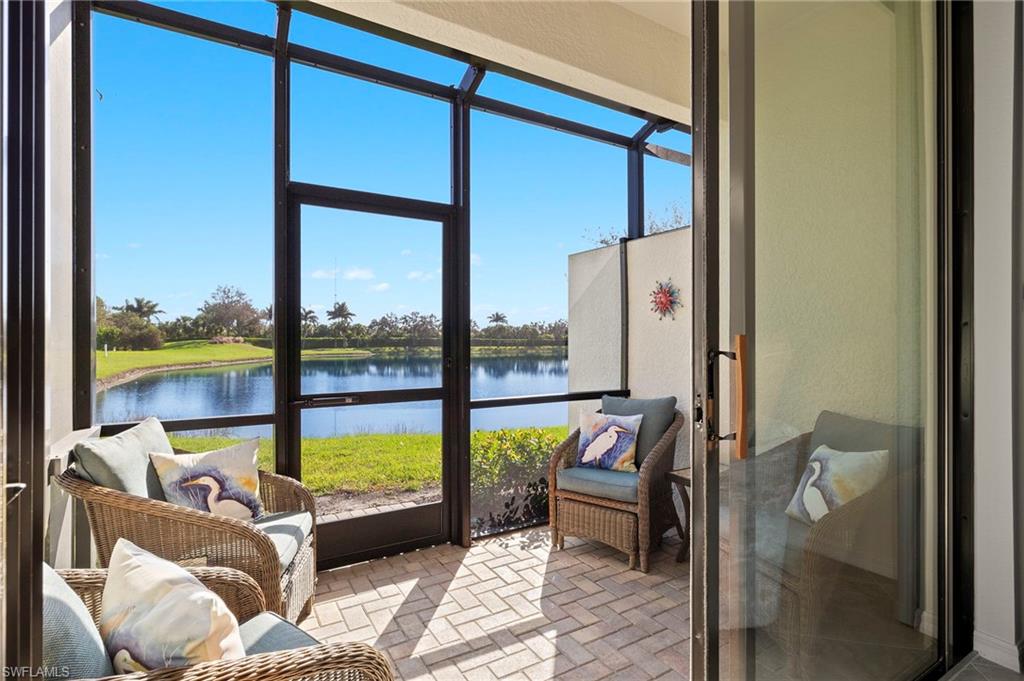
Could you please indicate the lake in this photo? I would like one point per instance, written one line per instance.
(249, 389)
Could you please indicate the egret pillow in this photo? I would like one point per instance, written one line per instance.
(155, 614)
(833, 478)
(608, 441)
(223, 482)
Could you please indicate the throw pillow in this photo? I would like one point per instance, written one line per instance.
(608, 441)
(122, 462)
(658, 414)
(156, 615)
(833, 478)
(223, 482)
(72, 646)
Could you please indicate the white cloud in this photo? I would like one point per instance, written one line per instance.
(381, 287)
(135, 244)
(474, 259)
(324, 274)
(358, 274)
(406, 251)
(102, 256)
(419, 275)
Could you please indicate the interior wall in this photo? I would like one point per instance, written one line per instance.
(994, 626)
(595, 46)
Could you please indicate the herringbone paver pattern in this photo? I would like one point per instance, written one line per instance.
(510, 607)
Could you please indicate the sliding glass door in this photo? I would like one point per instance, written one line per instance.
(818, 362)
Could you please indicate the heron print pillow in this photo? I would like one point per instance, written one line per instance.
(223, 482)
(608, 441)
(833, 478)
(154, 614)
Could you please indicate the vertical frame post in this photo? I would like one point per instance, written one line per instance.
(282, 254)
(704, 551)
(635, 190)
(83, 304)
(24, 334)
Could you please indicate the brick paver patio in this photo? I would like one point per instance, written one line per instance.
(512, 608)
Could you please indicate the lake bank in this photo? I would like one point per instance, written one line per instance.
(123, 366)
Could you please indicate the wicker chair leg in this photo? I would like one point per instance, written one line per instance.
(632, 561)
(306, 611)
(561, 541)
(644, 562)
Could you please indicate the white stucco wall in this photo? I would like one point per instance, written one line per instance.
(994, 628)
(595, 46)
(659, 349)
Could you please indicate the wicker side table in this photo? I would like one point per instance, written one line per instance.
(608, 525)
(682, 478)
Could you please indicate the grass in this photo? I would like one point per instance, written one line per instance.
(355, 463)
(178, 353)
(182, 353)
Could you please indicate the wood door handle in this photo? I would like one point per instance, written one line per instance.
(740, 352)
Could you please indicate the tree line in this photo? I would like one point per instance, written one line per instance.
(229, 312)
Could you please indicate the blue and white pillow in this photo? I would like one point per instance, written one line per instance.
(154, 615)
(608, 442)
(223, 482)
(833, 478)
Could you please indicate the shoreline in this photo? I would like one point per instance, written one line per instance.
(132, 374)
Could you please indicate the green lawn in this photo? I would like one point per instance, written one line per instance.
(363, 463)
(177, 353)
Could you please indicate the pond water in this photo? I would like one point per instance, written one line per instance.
(249, 389)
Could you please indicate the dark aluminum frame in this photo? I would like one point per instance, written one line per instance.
(392, 532)
(954, 368)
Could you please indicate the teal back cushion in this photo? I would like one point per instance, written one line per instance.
(122, 462)
(658, 414)
(72, 647)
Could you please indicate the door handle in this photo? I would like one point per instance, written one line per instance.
(739, 358)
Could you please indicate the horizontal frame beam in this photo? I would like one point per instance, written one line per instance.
(521, 113)
(666, 154)
(355, 399)
(368, 202)
(180, 22)
(374, 74)
(579, 396)
(204, 423)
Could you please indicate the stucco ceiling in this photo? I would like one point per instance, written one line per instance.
(672, 14)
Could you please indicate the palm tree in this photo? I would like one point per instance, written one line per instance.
(309, 319)
(498, 318)
(267, 313)
(143, 307)
(341, 313)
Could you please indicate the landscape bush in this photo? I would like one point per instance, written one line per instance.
(129, 331)
(508, 476)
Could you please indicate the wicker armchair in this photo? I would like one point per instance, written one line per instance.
(324, 662)
(190, 537)
(629, 527)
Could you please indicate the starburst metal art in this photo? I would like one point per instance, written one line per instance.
(665, 299)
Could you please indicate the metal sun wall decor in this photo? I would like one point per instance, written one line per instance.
(665, 299)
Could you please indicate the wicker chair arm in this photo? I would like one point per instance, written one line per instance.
(177, 533)
(661, 458)
(834, 535)
(564, 455)
(239, 591)
(279, 493)
(324, 662)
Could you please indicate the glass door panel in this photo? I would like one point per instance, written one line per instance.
(827, 499)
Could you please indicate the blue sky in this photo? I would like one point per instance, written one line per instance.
(184, 172)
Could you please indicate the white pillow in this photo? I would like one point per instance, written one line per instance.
(833, 478)
(155, 615)
(223, 482)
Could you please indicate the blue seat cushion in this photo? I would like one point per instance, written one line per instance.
(72, 647)
(268, 632)
(599, 482)
(288, 531)
(658, 415)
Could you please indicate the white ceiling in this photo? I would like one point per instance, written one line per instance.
(672, 14)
